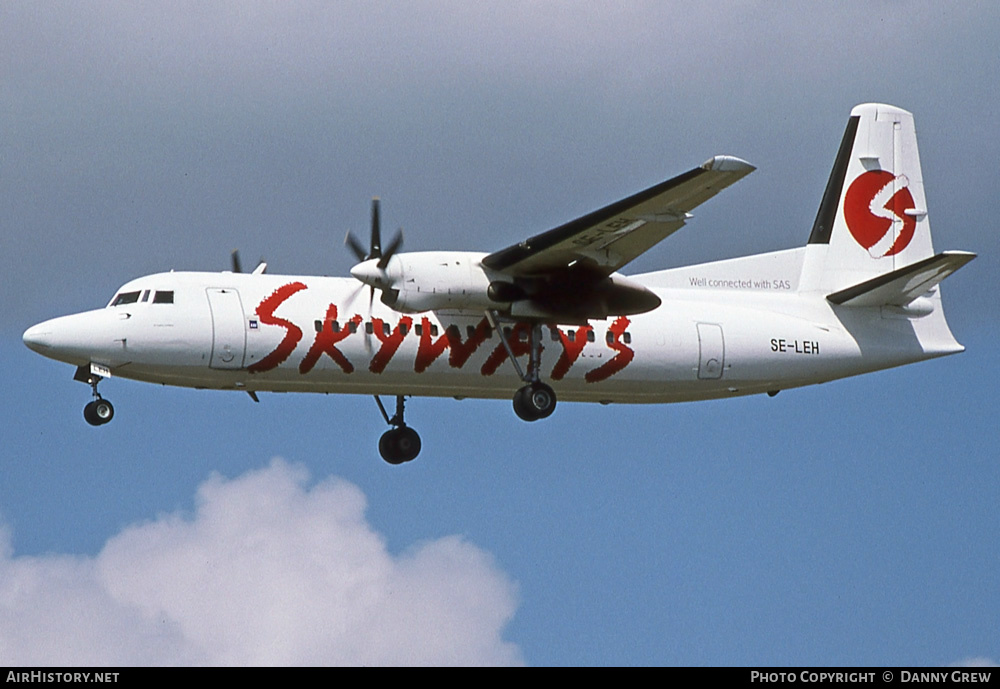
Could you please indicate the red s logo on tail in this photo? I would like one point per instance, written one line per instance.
(875, 209)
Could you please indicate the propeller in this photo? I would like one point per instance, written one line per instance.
(373, 275)
(375, 241)
(238, 265)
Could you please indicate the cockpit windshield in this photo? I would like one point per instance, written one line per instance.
(159, 297)
(126, 298)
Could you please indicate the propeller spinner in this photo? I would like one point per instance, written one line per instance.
(371, 266)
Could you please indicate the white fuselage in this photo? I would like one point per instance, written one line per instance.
(708, 339)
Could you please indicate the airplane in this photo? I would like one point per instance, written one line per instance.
(552, 316)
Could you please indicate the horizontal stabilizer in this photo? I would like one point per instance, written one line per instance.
(900, 287)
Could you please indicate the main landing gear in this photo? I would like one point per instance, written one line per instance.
(98, 411)
(535, 400)
(400, 443)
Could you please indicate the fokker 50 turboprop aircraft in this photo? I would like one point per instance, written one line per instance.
(552, 315)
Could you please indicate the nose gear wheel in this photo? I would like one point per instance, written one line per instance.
(98, 411)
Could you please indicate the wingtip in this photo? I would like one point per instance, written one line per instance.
(728, 164)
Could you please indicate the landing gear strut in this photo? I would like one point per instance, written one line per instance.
(535, 400)
(401, 443)
(98, 411)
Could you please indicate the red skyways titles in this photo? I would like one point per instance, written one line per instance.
(390, 343)
(326, 343)
(265, 311)
(430, 346)
(572, 349)
(459, 351)
(622, 359)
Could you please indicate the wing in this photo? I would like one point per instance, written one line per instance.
(602, 242)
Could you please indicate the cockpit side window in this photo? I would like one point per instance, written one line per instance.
(163, 297)
(126, 298)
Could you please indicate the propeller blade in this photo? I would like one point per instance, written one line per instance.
(394, 245)
(237, 266)
(368, 338)
(376, 238)
(353, 294)
(355, 246)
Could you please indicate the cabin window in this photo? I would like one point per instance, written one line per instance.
(555, 334)
(352, 326)
(336, 326)
(385, 329)
(402, 328)
(610, 337)
(369, 328)
(434, 331)
(319, 326)
(627, 337)
(162, 297)
(590, 336)
(571, 335)
(453, 331)
(418, 329)
(470, 330)
(126, 298)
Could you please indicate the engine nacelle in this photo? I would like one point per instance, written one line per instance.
(457, 280)
(431, 280)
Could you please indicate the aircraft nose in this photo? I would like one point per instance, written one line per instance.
(38, 338)
(76, 339)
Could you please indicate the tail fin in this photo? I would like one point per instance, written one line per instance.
(873, 216)
(871, 243)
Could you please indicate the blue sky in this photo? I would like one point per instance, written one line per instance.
(850, 523)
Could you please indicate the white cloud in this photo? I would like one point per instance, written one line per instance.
(267, 571)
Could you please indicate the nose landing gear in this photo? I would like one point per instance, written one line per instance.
(98, 411)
